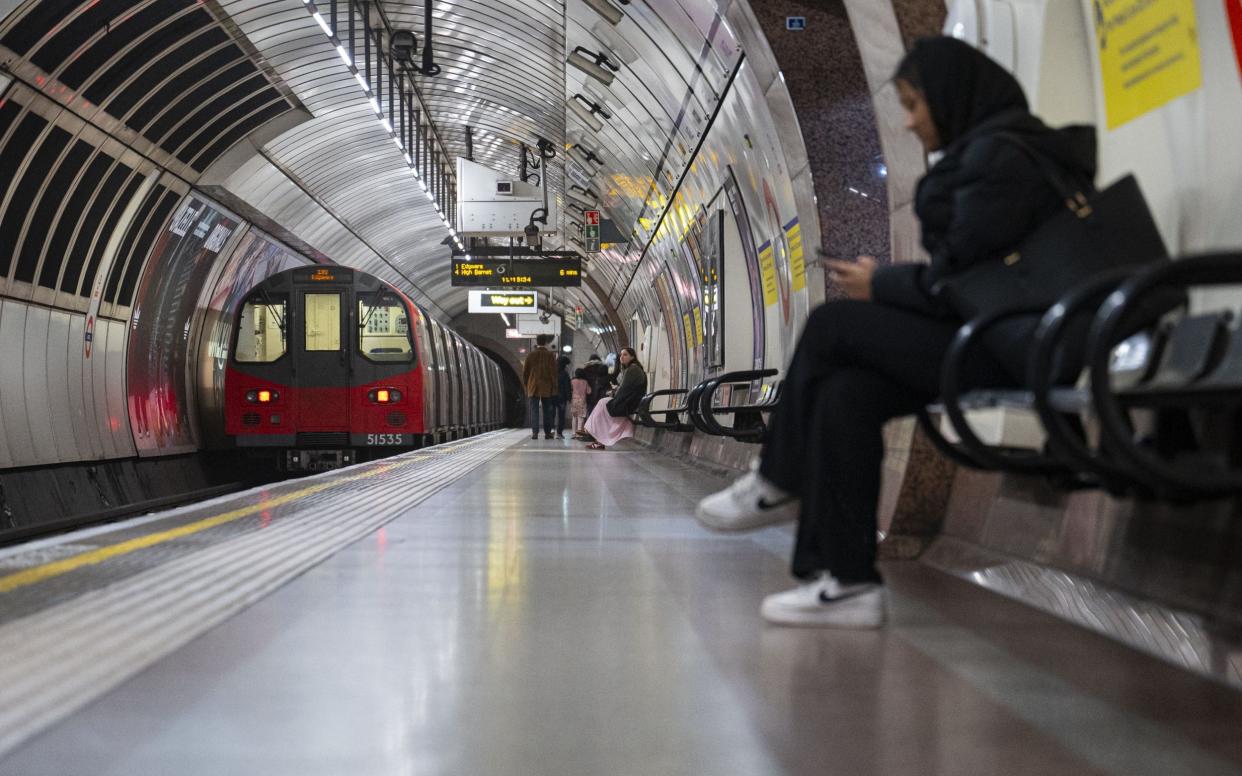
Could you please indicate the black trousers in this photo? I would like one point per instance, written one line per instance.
(856, 366)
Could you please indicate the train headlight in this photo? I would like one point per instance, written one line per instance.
(262, 396)
(384, 395)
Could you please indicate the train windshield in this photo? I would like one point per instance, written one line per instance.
(384, 328)
(261, 334)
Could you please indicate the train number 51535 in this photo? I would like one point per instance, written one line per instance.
(385, 439)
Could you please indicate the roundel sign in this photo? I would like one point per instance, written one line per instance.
(89, 335)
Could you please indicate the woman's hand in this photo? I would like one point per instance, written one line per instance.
(853, 277)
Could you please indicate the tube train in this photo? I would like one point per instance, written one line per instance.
(329, 366)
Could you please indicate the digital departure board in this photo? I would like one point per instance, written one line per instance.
(525, 272)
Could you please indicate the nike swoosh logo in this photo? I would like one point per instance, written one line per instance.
(765, 504)
(823, 599)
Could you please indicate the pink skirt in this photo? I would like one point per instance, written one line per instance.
(606, 429)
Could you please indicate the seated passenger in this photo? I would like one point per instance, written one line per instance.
(877, 355)
(610, 420)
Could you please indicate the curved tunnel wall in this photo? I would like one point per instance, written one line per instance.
(159, 91)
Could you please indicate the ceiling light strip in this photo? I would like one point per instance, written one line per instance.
(428, 147)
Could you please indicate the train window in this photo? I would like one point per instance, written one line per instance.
(261, 330)
(384, 328)
(323, 322)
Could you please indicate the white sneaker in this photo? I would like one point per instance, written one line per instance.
(826, 603)
(751, 502)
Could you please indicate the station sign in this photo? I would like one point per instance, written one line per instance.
(516, 272)
(503, 302)
(591, 234)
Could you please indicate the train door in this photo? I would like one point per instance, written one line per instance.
(444, 412)
(459, 388)
(476, 390)
(430, 366)
(322, 360)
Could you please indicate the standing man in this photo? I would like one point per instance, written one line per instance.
(539, 375)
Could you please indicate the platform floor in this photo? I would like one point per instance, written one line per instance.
(557, 611)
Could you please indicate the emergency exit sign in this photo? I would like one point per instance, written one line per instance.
(592, 231)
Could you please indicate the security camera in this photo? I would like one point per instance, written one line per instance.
(531, 231)
(403, 46)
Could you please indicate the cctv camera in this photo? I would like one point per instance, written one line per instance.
(531, 231)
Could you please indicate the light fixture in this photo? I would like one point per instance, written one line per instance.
(587, 110)
(567, 349)
(610, 12)
(598, 66)
(585, 157)
(576, 197)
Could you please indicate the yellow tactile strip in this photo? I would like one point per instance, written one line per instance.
(60, 658)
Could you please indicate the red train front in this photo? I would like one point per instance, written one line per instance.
(324, 368)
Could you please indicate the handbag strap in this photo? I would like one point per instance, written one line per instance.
(1075, 197)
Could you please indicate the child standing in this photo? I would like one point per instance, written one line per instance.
(578, 403)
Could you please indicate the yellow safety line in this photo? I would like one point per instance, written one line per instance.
(35, 574)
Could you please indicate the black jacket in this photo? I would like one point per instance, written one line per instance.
(980, 200)
(629, 393)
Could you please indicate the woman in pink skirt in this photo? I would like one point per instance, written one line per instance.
(610, 421)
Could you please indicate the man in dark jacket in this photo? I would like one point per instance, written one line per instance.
(539, 377)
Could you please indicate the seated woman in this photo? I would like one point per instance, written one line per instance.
(877, 355)
(610, 420)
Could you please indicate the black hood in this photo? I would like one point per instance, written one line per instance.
(962, 86)
(1073, 148)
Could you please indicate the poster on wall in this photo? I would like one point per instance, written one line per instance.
(1149, 55)
(1233, 9)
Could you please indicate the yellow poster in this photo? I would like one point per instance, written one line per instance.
(1149, 54)
(767, 268)
(685, 319)
(797, 264)
(698, 324)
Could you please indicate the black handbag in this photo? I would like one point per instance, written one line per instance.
(1099, 231)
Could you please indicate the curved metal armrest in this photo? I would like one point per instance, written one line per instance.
(1111, 324)
(985, 456)
(694, 408)
(711, 385)
(644, 410)
(1050, 345)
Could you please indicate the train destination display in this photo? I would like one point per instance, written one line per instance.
(516, 272)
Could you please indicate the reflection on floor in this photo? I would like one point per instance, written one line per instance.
(560, 612)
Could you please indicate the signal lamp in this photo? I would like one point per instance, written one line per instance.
(598, 66)
(384, 395)
(264, 396)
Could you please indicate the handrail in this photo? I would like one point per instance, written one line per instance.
(1110, 324)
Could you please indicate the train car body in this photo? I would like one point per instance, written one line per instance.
(329, 366)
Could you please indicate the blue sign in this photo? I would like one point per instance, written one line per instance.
(797, 23)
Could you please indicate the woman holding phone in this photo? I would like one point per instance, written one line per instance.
(877, 354)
